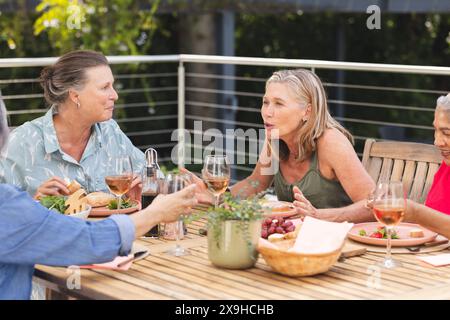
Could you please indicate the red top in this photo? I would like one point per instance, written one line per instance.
(439, 196)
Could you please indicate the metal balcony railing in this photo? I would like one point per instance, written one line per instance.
(159, 94)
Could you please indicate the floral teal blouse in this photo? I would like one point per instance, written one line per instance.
(33, 155)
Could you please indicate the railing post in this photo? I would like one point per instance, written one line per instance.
(181, 115)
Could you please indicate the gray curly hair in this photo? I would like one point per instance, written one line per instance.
(3, 125)
(443, 103)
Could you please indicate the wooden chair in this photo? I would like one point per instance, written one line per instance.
(412, 163)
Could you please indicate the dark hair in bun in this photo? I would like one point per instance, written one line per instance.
(67, 73)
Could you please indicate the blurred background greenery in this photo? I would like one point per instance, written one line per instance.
(127, 27)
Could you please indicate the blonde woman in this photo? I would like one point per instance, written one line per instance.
(315, 152)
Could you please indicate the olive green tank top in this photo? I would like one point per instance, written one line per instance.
(321, 192)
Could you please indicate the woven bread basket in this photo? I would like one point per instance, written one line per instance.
(297, 264)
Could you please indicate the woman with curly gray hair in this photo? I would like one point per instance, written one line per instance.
(439, 195)
(435, 214)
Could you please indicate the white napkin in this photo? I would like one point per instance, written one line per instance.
(437, 260)
(318, 236)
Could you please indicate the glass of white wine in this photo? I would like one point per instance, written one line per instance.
(216, 175)
(389, 204)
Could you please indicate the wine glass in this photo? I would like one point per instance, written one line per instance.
(174, 183)
(216, 174)
(389, 206)
(119, 175)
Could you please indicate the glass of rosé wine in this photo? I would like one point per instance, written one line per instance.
(216, 175)
(119, 176)
(389, 205)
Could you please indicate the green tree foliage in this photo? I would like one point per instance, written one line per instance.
(115, 27)
(14, 30)
(119, 27)
(415, 39)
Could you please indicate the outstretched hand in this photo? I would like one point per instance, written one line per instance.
(202, 194)
(172, 205)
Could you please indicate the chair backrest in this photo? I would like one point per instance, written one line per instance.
(412, 163)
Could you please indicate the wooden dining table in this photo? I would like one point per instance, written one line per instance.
(162, 276)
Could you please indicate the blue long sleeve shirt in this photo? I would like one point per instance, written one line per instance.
(31, 234)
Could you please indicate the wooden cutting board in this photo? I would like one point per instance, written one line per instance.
(352, 250)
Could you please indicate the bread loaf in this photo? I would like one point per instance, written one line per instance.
(73, 186)
(416, 233)
(276, 237)
(99, 199)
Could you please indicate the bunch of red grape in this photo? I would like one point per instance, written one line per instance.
(276, 225)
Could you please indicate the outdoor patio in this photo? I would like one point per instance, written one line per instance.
(175, 99)
(180, 99)
(216, 157)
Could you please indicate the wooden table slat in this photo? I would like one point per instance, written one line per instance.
(161, 276)
(299, 282)
(226, 278)
(401, 273)
(195, 277)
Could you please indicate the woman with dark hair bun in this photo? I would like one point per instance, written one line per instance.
(32, 234)
(75, 137)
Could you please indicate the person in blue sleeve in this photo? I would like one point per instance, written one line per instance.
(31, 234)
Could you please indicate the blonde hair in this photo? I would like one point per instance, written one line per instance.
(308, 87)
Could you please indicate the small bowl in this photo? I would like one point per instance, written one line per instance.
(297, 264)
(82, 214)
